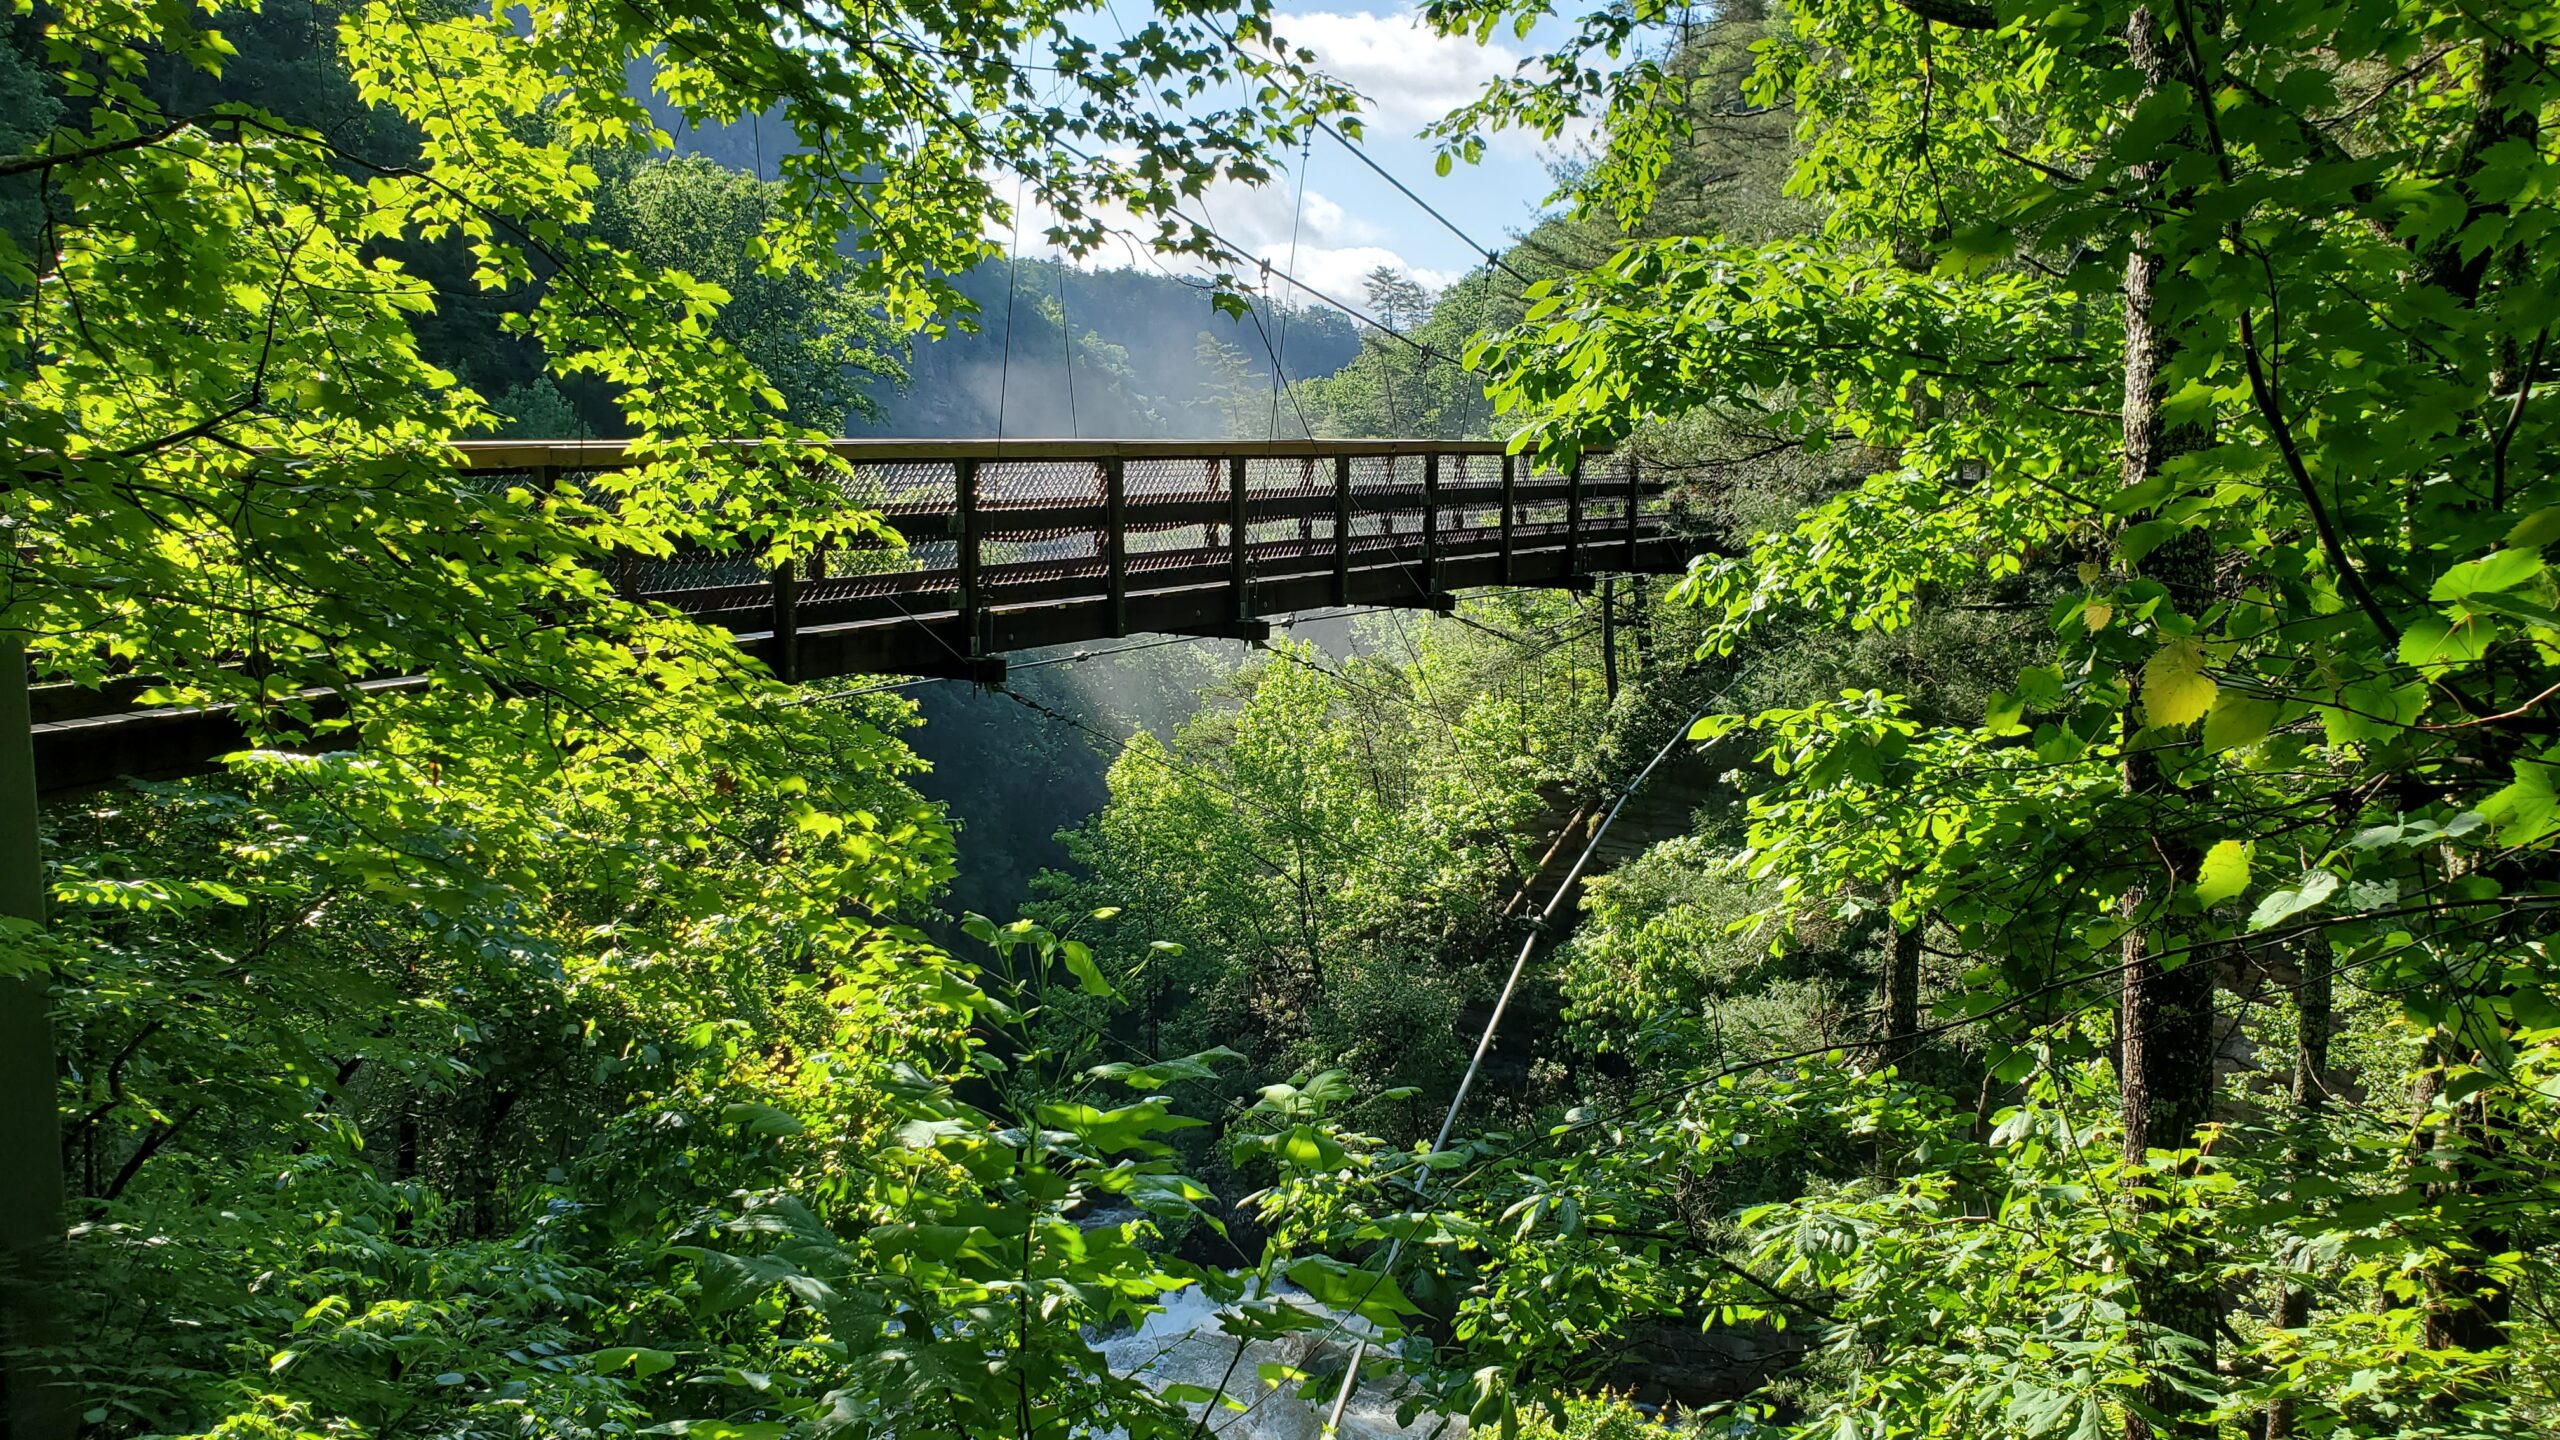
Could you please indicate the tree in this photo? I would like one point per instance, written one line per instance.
(228, 413)
(1229, 388)
(1396, 300)
(2234, 325)
(810, 335)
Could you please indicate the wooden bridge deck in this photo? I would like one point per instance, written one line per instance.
(1014, 545)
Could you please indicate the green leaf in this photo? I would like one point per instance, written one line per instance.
(762, 1119)
(2434, 642)
(643, 1361)
(2499, 570)
(2526, 809)
(2040, 686)
(2238, 719)
(2536, 530)
(1079, 961)
(1200, 1066)
(2141, 539)
(2175, 689)
(1714, 727)
(2223, 874)
(1129, 1129)
(2499, 602)
(2316, 887)
(1367, 1293)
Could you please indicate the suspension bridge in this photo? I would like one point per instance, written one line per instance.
(1005, 546)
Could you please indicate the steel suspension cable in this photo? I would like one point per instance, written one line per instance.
(1493, 1023)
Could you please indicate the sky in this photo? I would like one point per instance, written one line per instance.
(1351, 221)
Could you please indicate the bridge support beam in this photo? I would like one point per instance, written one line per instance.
(1252, 631)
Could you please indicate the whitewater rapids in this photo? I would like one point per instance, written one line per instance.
(1186, 1345)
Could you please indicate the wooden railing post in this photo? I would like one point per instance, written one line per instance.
(1431, 524)
(1573, 521)
(1341, 529)
(1115, 540)
(1510, 511)
(786, 622)
(1609, 636)
(1635, 509)
(1240, 576)
(965, 560)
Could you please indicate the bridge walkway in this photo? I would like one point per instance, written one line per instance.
(1000, 546)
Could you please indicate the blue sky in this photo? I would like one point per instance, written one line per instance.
(1352, 221)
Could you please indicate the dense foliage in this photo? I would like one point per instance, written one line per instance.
(2088, 976)
(2225, 327)
(566, 1059)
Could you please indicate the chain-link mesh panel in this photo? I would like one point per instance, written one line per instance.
(1659, 503)
(1265, 478)
(927, 567)
(1386, 480)
(1039, 482)
(902, 487)
(1042, 558)
(1604, 514)
(1289, 545)
(1173, 479)
(1382, 486)
(684, 571)
(1152, 548)
(1471, 499)
(1385, 496)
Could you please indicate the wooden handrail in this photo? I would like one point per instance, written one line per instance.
(607, 454)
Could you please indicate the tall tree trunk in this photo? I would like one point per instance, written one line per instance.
(2165, 1062)
(31, 1222)
(2468, 1309)
(2167, 1097)
(1901, 984)
(1640, 625)
(2312, 997)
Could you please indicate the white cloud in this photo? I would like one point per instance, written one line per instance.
(1339, 273)
(1255, 217)
(1410, 76)
(1326, 247)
